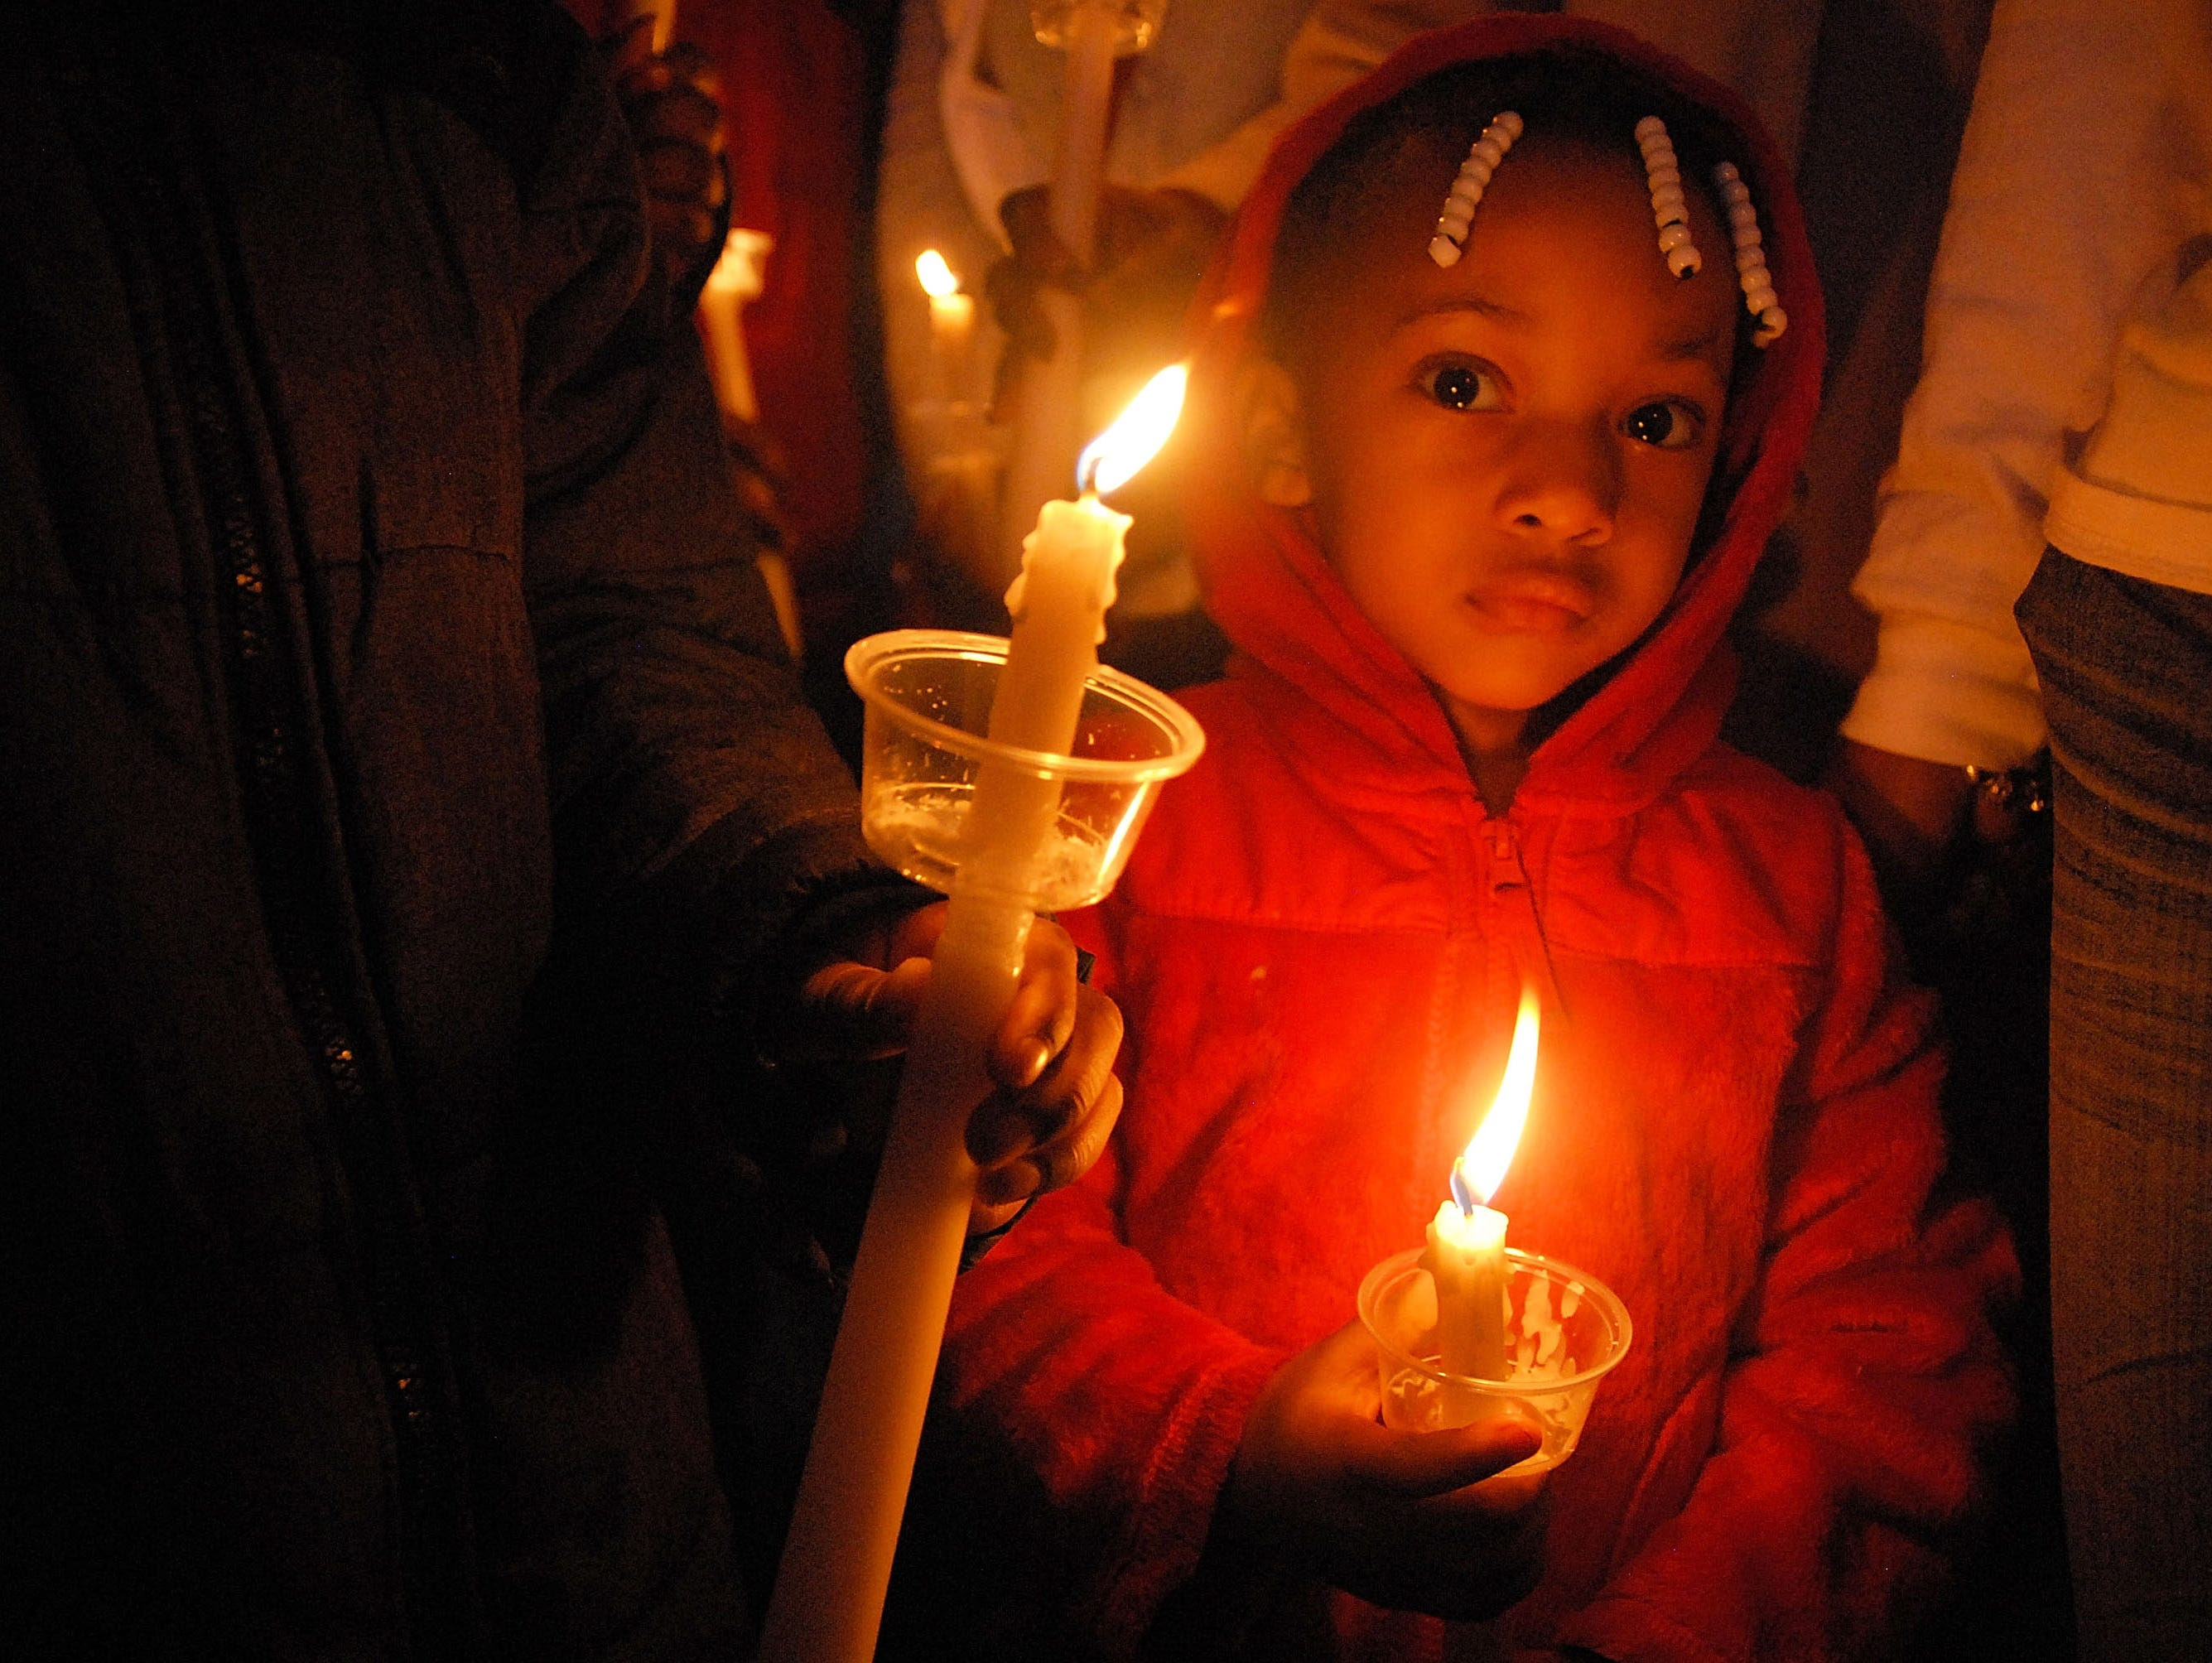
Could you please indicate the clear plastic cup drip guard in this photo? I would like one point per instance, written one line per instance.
(927, 694)
(1565, 1330)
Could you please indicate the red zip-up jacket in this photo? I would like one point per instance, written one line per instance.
(1318, 946)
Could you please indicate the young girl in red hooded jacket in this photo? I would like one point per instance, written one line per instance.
(1505, 374)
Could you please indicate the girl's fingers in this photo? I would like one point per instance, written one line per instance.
(1425, 1463)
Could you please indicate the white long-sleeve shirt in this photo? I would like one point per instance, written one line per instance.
(2066, 385)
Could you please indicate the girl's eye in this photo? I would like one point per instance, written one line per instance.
(1667, 424)
(1461, 386)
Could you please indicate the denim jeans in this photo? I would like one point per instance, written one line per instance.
(2126, 668)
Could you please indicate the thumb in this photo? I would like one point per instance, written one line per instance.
(848, 1012)
(1416, 1463)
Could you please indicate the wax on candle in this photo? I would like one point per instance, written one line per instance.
(1467, 1257)
(1466, 1239)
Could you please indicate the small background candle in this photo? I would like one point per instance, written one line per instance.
(951, 328)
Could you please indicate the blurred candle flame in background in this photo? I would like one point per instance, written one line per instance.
(937, 278)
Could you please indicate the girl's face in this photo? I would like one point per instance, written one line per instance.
(1507, 457)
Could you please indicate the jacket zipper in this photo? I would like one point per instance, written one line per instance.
(1515, 899)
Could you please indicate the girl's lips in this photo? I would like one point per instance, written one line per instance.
(1535, 599)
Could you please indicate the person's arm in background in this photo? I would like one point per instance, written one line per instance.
(2065, 206)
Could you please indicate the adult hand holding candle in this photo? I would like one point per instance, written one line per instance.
(836, 1563)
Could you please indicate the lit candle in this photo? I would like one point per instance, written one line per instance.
(837, 1560)
(738, 276)
(951, 327)
(1466, 1239)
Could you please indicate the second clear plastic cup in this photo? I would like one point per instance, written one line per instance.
(1564, 1332)
(927, 694)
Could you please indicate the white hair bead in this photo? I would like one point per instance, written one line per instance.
(1759, 298)
(1670, 210)
(1469, 185)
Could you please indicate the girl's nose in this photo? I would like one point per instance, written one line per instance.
(1561, 482)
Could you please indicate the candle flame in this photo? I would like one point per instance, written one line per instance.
(1114, 458)
(1489, 1151)
(937, 278)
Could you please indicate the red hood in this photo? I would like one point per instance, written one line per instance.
(1290, 618)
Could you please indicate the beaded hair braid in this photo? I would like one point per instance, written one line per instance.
(1669, 212)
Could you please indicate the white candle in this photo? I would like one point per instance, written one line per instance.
(1048, 402)
(738, 276)
(1466, 1252)
(837, 1559)
(1467, 1257)
(951, 327)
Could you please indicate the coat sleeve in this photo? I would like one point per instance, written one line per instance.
(2025, 310)
(1865, 1376)
(1117, 1405)
(685, 767)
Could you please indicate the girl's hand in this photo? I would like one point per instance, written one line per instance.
(1400, 1519)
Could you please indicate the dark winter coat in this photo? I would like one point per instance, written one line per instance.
(374, 627)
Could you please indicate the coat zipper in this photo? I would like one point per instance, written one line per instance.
(1515, 898)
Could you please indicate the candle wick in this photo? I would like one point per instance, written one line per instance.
(1461, 1192)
